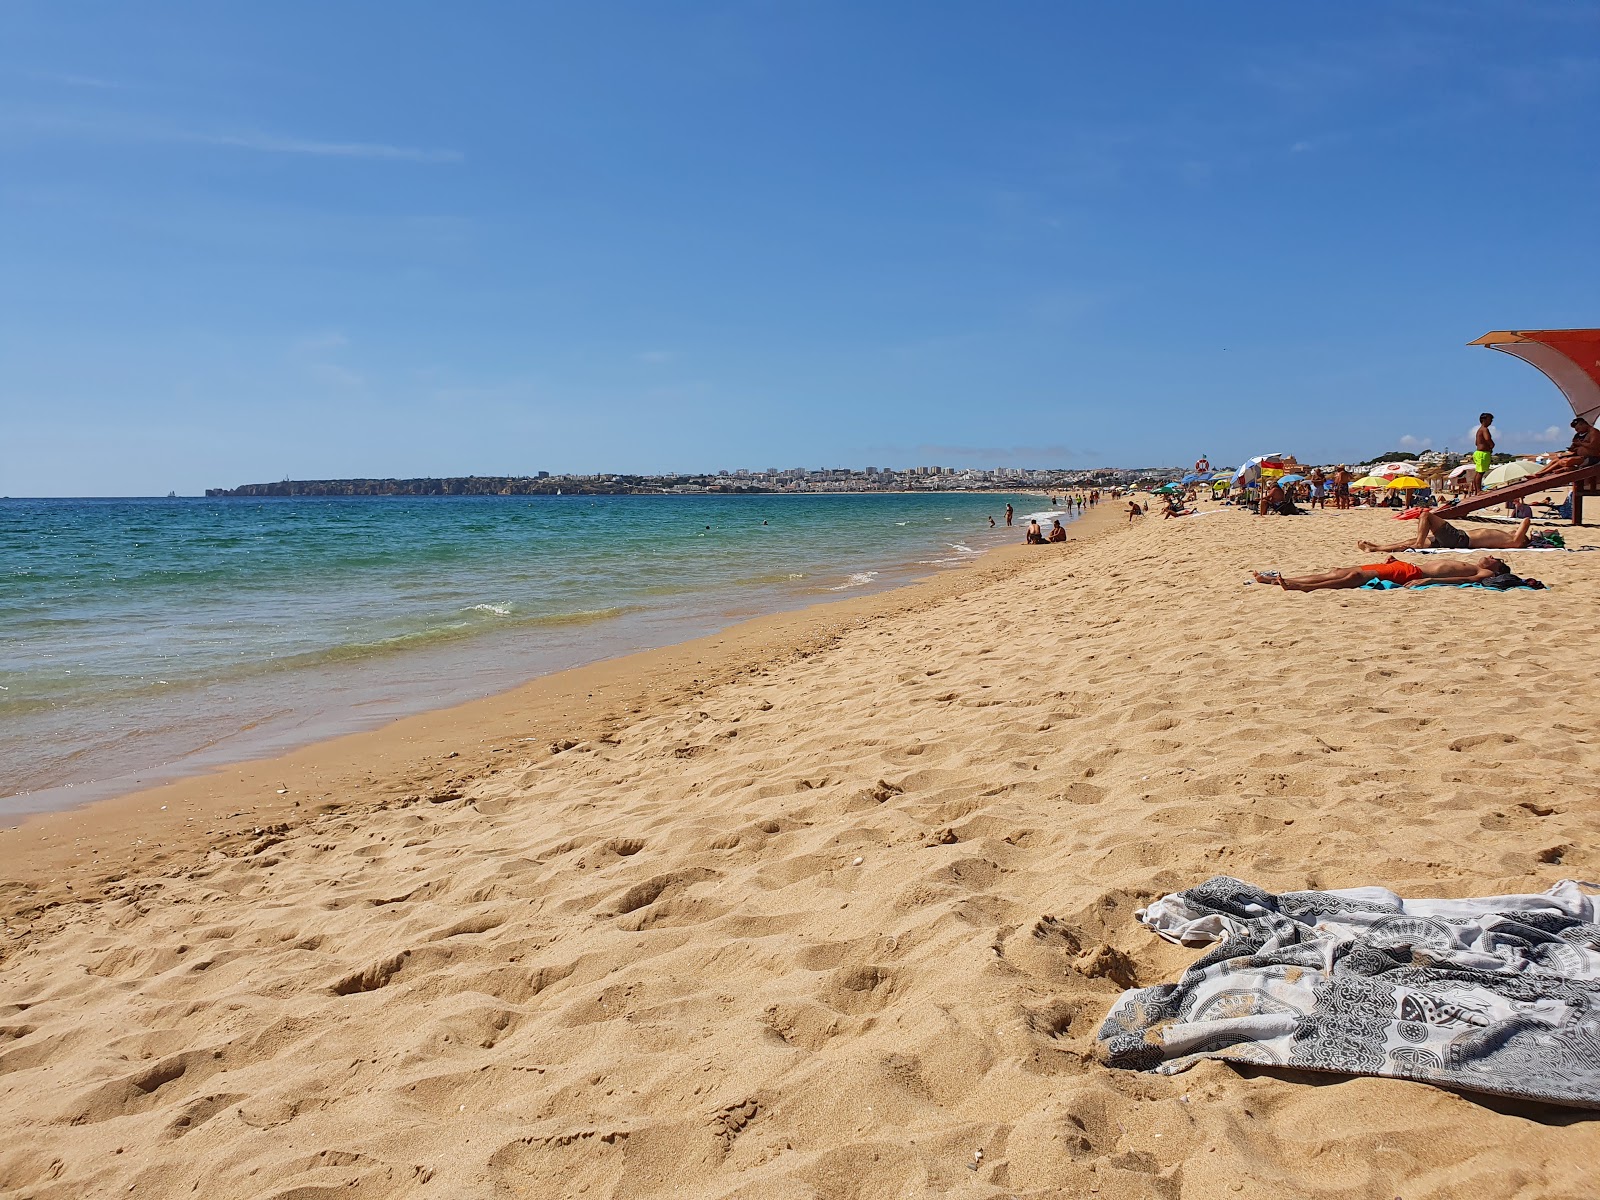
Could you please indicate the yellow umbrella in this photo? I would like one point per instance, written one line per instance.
(1406, 483)
(1370, 481)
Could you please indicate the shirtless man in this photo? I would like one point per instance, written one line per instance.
(1585, 448)
(1406, 574)
(1482, 454)
(1434, 532)
(1341, 486)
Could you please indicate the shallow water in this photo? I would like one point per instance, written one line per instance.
(143, 639)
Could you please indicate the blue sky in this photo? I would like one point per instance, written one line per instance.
(244, 242)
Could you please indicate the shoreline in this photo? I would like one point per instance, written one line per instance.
(75, 853)
(229, 709)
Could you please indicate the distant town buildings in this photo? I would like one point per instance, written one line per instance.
(734, 481)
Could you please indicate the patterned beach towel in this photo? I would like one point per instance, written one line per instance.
(1499, 994)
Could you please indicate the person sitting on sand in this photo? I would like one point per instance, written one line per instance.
(1134, 511)
(1174, 509)
(1035, 536)
(1584, 451)
(1435, 533)
(1057, 534)
(1393, 570)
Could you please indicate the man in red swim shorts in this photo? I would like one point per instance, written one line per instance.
(1404, 574)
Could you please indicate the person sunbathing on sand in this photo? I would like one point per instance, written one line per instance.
(1433, 532)
(1405, 574)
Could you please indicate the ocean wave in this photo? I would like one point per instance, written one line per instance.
(858, 579)
(499, 610)
(959, 548)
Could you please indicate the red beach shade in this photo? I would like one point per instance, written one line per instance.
(1570, 357)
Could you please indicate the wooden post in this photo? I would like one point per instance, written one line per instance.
(1577, 502)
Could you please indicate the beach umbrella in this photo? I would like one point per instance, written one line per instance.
(1292, 479)
(1371, 481)
(1406, 483)
(1460, 471)
(1165, 488)
(1511, 472)
(1391, 469)
(1196, 477)
(1569, 358)
(1254, 468)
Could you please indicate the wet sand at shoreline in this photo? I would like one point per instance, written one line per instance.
(820, 906)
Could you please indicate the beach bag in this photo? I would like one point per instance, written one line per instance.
(1506, 581)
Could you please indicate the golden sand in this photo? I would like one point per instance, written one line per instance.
(824, 906)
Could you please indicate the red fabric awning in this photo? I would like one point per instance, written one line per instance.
(1569, 357)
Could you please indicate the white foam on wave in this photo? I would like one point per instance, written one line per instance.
(859, 579)
(957, 546)
(499, 610)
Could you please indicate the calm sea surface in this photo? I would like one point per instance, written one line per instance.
(145, 639)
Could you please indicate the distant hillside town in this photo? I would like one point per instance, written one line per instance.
(742, 481)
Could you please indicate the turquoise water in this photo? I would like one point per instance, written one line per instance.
(142, 639)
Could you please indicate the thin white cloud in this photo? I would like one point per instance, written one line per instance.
(268, 144)
(137, 130)
(67, 79)
(1409, 442)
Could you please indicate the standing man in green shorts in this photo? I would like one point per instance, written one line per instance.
(1483, 452)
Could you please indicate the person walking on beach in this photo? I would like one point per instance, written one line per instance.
(1482, 454)
(1008, 516)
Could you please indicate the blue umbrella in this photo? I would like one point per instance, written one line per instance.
(1292, 479)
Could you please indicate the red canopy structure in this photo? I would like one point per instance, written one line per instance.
(1570, 357)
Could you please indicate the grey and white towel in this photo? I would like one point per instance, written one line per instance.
(1499, 994)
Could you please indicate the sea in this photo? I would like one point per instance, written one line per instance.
(142, 640)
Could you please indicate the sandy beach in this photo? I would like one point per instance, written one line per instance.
(821, 906)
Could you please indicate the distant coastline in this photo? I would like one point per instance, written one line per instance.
(921, 479)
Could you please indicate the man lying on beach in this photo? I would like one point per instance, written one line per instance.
(1435, 533)
(1392, 570)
